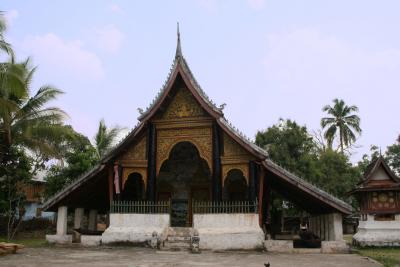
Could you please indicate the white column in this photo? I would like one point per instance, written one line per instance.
(78, 218)
(92, 225)
(337, 227)
(62, 216)
(322, 219)
(326, 222)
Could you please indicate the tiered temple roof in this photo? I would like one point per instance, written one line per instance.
(299, 186)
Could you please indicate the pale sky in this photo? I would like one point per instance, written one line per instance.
(266, 59)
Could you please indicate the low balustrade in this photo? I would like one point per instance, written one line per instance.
(206, 207)
(140, 207)
(198, 207)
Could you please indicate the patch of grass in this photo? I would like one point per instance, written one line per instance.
(27, 242)
(348, 239)
(389, 257)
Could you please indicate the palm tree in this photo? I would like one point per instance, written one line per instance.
(105, 138)
(342, 120)
(6, 47)
(26, 124)
(24, 120)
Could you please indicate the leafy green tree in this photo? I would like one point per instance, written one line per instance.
(368, 159)
(79, 156)
(336, 174)
(26, 125)
(342, 122)
(105, 138)
(392, 156)
(290, 145)
(15, 171)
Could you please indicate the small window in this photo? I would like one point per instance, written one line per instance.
(384, 217)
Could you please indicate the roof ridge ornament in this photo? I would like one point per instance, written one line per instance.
(178, 53)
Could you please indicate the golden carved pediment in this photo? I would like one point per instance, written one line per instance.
(168, 138)
(232, 148)
(136, 151)
(183, 105)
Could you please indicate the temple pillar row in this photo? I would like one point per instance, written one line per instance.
(327, 226)
(62, 218)
(92, 222)
(78, 218)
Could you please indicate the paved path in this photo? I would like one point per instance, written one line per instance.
(129, 257)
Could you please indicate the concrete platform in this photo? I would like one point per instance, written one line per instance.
(130, 256)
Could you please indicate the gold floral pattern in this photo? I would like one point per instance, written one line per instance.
(136, 151)
(184, 105)
(168, 138)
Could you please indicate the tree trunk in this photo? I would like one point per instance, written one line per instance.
(341, 139)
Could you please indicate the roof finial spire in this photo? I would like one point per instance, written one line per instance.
(178, 45)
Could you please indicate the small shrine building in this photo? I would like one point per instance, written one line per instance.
(185, 166)
(378, 194)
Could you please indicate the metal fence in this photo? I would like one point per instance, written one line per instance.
(140, 207)
(225, 207)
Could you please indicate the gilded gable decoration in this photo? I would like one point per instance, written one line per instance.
(168, 138)
(183, 106)
(232, 149)
(136, 152)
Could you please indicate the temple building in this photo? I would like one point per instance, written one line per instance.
(379, 199)
(185, 171)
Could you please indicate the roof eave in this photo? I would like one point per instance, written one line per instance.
(327, 198)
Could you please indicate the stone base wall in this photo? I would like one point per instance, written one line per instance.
(229, 231)
(286, 246)
(134, 228)
(59, 239)
(334, 247)
(90, 240)
(279, 245)
(378, 234)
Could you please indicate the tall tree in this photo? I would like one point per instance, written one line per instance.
(26, 124)
(342, 122)
(105, 138)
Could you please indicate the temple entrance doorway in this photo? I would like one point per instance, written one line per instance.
(133, 188)
(184, 177)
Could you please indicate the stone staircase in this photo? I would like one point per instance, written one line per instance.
(177, 238)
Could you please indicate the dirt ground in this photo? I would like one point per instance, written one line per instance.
(127, 257)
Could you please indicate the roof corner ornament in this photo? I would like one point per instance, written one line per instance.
(178, 44)
(140, 110)
(222, 106)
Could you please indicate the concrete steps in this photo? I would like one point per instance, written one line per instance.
(178, 238)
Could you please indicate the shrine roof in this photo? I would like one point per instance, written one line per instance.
(367, 184)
